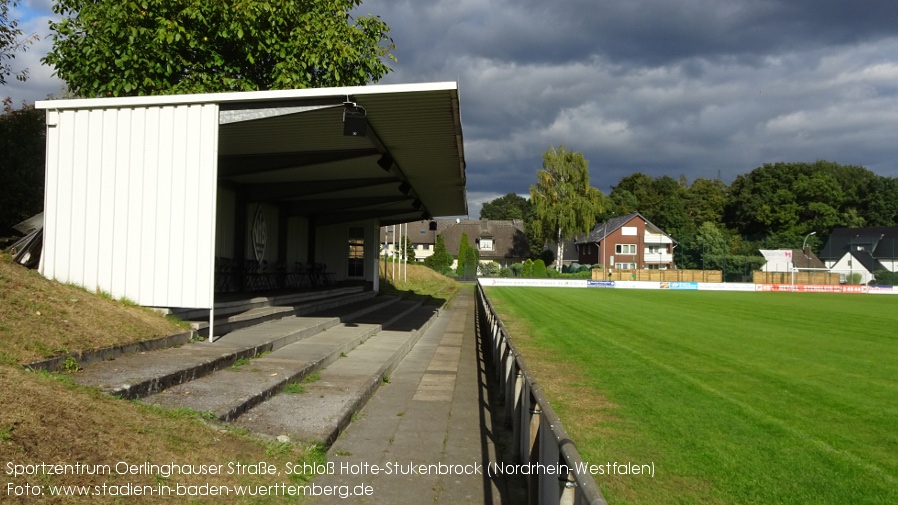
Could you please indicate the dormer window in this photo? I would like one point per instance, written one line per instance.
(486, 244)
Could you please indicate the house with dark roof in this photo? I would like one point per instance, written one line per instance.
(789, 260)
(628, 242)
(422, 235)
(500, 241)
(863, 251)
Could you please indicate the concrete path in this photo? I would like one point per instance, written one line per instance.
(436, 412)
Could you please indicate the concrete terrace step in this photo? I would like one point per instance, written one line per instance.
(279, 308)
(230, 392)
(235, 303)
(327, 406)
(138, 375)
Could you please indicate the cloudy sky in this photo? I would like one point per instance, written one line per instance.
(695, 87)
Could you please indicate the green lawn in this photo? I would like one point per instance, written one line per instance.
(768, 398)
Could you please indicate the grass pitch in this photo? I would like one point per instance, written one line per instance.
(767, 398)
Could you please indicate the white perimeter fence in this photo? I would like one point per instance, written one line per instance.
(693, 286)
(556, 474)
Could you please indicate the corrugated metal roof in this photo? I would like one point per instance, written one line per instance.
(302, 160)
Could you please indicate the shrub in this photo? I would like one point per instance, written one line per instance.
(517, 269)
(539, 269)
(489, 269)
(886, 278)
(528, 269)
(440, 260)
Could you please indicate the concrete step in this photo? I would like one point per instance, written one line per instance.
(327, 406)
(273, 313)
(230, 304)
(230, 392)
(138, 375)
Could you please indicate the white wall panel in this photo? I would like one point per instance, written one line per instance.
(130, 202)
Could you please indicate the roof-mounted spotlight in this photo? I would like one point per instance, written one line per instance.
(385, 162)
(355, 123)
(405, 188)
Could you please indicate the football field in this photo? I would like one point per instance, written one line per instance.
(767, 398)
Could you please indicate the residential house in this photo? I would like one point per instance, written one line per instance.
(789, 260)
(570, 252)
(502, 242)
(422, 235)
(850, 251)
(628, 242)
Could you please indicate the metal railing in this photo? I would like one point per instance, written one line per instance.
(557, 474)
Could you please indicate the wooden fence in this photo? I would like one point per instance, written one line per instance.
(799, 277)
(658, 275)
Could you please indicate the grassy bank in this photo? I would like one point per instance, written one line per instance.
(417, 281)
(773, 398)
(46, 419)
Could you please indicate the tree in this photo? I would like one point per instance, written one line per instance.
(467, 259)
(113, 48)
(539, 269)
(22, 142)
(408, 249)
(714, 246)
(704, 201)
(472, 262)
(11, 40)
(527, 271)
(510, 206)
(564, 201)
(440, 260)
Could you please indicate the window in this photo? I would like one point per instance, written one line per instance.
(486, 244)
(356, 264)
(625, 266)
(625, 249)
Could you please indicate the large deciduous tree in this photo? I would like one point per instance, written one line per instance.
(11, 40)
(143, 47)
(507, 207)
(564, 201)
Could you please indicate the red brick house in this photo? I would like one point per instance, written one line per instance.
(626, 243)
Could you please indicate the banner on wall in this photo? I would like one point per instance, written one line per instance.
(681, 285)
(811, 288)
(543, 283)
(690, 286)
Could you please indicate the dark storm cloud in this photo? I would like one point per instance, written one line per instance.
(648, 32)
(694, 87)
(697, 87)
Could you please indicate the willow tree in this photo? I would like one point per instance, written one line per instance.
(565, 203)
(144, 47)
